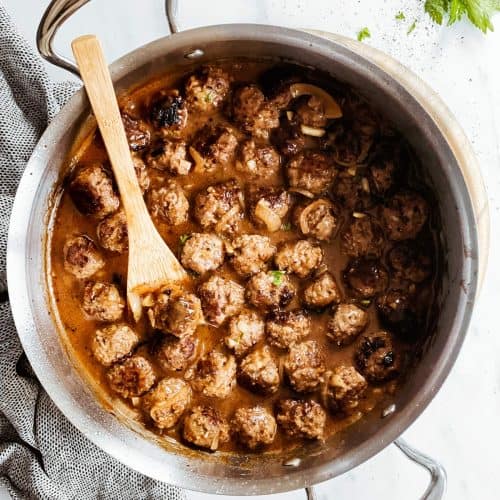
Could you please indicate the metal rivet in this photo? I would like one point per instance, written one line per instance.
(194, 54)
(389, 410)
(293, 462)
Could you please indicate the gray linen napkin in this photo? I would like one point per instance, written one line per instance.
(42, 456)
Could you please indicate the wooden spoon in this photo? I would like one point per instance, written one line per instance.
(151, 264)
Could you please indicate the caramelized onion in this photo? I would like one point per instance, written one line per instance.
(331, 106)
(270, 218)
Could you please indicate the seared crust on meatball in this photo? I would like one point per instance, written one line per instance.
(270, 290)
(300, 257)
(169, 156)
(137, 132)
(250, 253)
(112, 233)
(316, 219)
(81, 257)
(346, 324)
(216, 145)
(259, 372)
(285, 328)
(366, 277)
(253, 427)
(268, 206)
(398, 309)
(288, 138)
(344, 387)
(102, 301)
(321, 292)
(363, 237)
(169, 112)
(207, 88)
(245, 330)
(257, 161)
(301, 418)
(214, 375)
(220, 298)
(304, 366)
(169, 204)
(382, 175)
(112, 343)
(132, 377)
(311, 171)
(204, 427)
(352, 191)
(93, 192)
(176, 354)
(167, 402)
(311, 112)
(202, 252)
(375, 357)
(410, 262)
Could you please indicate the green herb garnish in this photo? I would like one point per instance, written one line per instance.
(286, 227)
(183, 238)
(366, 302)
(277, 277)
(364, 33)
(400, 16)
(208, 97)
(412, 27)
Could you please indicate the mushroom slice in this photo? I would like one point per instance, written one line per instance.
(331, 106)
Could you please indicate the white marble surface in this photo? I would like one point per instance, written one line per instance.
(460, 428)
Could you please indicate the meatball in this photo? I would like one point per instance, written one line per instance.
(363, 237)
(102, 301)
(305, 366)
(176, 354)
(220, 207)
(375, 357)
(245, 330)
(92, 191)
(366, 277)
(214, 375)
(346, 324)
(137, 132)
(410, 262)
(285, 328)
(215, 145)
(178, 315)
(204, 427)
(310, 111)
(169, 204)
(258, 161)
(268, 206)
(169, 112)
(259, 372)
(251, 252)
(81, 257)
(352, 191)
(382, 174)
(141, 172)
(288, 139)
(344, 387)
(112, 233)
(301, 257)
(404, 216)
(112, 343)
(311, 171)
(316, 219)
(220, 298)
(321, 292)
(270, 290)
(254, 427)
(301, 418)
(169, 156)
(132, 377)
(207, 88)
(396, 308)
(167, 402)
(202, 252)
(253, 113)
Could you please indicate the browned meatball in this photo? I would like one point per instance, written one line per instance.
(258, 161)
(288, 139)
(304, 366)
(270, 290)
(404, 216)
(132, 377)
(220, 207)
(311, 171)
(167, 402)
(322, 291)
(207, 88)
(366, 277)
(178, 314)
(344, 387)
(346, 324)
(259, 372)
(382, 174)
(300, 257)
(112, 343)
(141, 172)
(301, 418)
(169, 156)
(138, 134)
(253, 113)
(202, 252)
(176, 354)
(214, 375)
(220, 298)
(410, 262)
(352, 191)
(317, 219)
(397, 308)
(250, 253)
(311, 112)
(363, 237)
(92, 191)
(169, 204)
(81, 257)
(268, 206)
(102, 301)
(169, 112)
(254, 427)
(204, 427)
(375, 357)
(215, 146)
(245, 330)
(112, 233)
(285, 328)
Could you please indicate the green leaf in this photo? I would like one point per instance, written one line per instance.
(277, 277)
(183, 238)
(400, 16)
(436, 9)
(364, 33)
(412, 27)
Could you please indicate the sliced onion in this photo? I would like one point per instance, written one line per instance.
(199, 162)
(330, 105)
(312, 131)
(270, 218)
(289, 115)
(303, 192)
(303, 224)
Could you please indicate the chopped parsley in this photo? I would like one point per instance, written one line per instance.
(400, 16)
(183, 238)
(364, 33)
(277, 277)
(412, 27)
(208, 97)
(286, 227)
